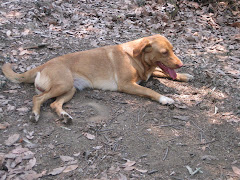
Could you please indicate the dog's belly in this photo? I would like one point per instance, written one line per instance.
(81, 83)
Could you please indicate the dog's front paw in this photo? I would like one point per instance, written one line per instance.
(185, 77)
(189, 77)
(66, 118)
(34, 117)
(165, 100)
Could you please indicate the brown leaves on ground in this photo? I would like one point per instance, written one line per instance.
(12, 139)
(206, 36)
(89, 136)
(4, 125)
(18, 163)
(71, 166)
(236, 170)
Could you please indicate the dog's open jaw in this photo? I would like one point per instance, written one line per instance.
(167, 70)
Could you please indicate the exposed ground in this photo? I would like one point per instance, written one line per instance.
(116, 135)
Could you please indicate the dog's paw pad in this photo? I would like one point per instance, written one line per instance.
(66, 118)
(165, 100)
(34, 117)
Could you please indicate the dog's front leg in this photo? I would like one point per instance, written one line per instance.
(184, 77)
(133, 88)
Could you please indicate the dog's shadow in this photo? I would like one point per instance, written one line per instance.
(155, 84)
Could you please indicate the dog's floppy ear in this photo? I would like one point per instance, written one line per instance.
(143, 46)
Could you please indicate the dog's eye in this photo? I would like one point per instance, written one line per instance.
(164, 51)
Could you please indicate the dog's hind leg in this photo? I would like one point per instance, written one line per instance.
(57, 106)
(54, 91)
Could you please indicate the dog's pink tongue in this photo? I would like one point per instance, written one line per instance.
(167, 70)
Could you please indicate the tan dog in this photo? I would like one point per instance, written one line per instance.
(116, 68)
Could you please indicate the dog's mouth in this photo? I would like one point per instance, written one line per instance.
(167, 70)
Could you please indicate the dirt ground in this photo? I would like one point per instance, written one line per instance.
(116, 135)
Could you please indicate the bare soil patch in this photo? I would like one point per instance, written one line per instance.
(116, 135)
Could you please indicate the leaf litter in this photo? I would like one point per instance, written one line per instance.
(37, 31)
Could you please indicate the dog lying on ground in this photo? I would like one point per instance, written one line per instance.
(116, 68)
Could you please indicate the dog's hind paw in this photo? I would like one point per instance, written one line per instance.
(165, 100)
(66, 118)
(34, 117)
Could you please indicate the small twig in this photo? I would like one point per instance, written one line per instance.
(152, 171)
(103, 130)
(37, 46)
(169, 125)
(205, 143)
(166, 125)
(144, 115)
(138, 118)
(173, 138)
(65, 128)
(165, 155)
(197, 126)
(114, 116)
(108, 140)
(191, 172)
(201, 136)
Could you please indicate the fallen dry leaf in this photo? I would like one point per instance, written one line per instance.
(1, 159)
(66, 158)
(31, 164)
(236, 24)
(76, 154)
(31, 175)
(8, 33)
(10, 107)
(22, 109)
(97, 147)
(182, 118)
(122, 177)
(113, 169)
(89, 136)
(57, 171)
(209, 157)
(141, 170)
(17, 161)
(236, 170)
(70, 168)
(23, 52)
(12, 139)
(20, 150)
(129, 163)
(4, 125)
(129, 168)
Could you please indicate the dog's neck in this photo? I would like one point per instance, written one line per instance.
(144, 70)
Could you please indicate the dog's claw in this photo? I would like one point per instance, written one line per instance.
(34, 117)
(66, 118)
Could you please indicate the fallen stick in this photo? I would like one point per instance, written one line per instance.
(165, 155)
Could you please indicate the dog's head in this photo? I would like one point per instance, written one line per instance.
(158, 51)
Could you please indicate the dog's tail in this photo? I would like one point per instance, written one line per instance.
(27, 77)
